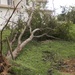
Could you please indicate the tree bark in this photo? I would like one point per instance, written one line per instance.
(19, 47)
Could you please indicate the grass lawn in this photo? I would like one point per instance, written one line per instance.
(30, 61)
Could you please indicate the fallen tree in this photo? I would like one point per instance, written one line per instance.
(13, 53)
(27, 26)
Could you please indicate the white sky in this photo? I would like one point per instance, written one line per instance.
(58, 3)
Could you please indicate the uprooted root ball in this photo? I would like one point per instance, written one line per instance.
(4, 66)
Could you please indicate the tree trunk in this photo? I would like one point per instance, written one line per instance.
(19, 48)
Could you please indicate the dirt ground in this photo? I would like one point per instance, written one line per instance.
(69, 66)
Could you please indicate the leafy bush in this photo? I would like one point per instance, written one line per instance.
(51, 26)
(63, 31)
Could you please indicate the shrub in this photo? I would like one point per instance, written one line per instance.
(63, 31)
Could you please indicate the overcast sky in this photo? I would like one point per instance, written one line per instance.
(58, 3)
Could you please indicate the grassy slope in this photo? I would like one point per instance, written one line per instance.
(30, 61)
(31, 57)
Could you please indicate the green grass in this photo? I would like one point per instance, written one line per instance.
(6, 33)
(31, 62)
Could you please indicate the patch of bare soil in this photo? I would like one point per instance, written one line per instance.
(68, 66)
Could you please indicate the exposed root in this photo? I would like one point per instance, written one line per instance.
(4, 66)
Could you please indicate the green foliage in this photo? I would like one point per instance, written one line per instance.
(72, 32)
(63, 31)
(47, 24)
(36, 20)
(62, 17)
(71, 16)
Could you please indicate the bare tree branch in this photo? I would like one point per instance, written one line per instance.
(40, 35)
(30, 38)
(52, 37)
(11, 42)
(29, 21)
(20, 36)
